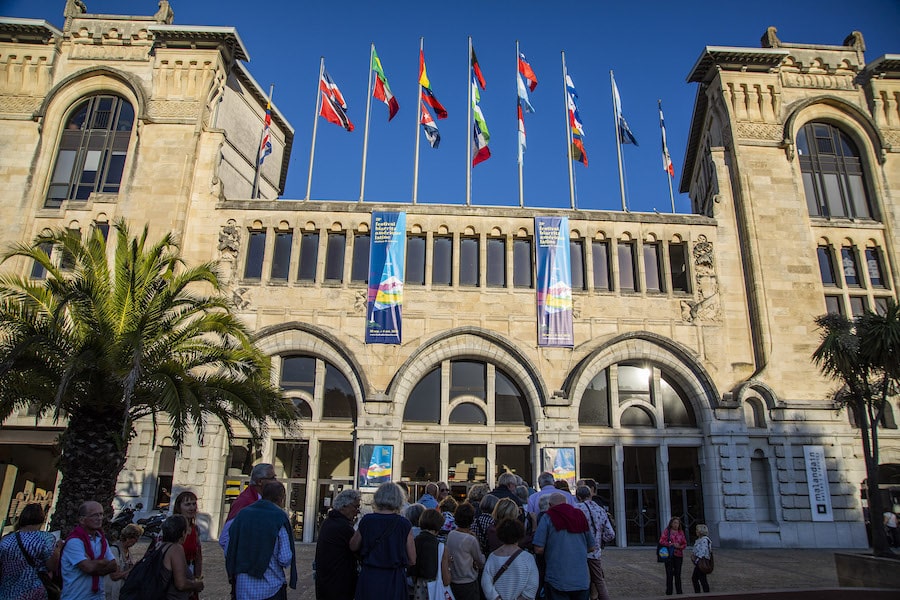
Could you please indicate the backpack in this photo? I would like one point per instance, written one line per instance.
(145, 582)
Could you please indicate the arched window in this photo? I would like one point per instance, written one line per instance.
(311, 381)
(635, 416)
(92, 150)
(754, 414)
(467, 413)
(832, 173)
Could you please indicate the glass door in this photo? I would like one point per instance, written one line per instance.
(641, 496)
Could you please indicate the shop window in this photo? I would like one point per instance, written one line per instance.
(334, 257)
(309, 256)
(873, 266)
(424, 403)
(256, 250)
(594, 406)
(509, 401)
(576, 262)
(469, 273)
(523, 269)
(496, 262)
(415, 260)
(600, 256)
(442, 261)
(677, 411)
(37, 269)
(359, 271)
(832, 173)
(92, 150)
(678, 268)
(281, 258)
(652, 264)
(468, 378)
(627, 267)
(826, 265)
(467, 414)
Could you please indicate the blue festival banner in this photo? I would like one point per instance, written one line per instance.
(375, 465)
(560, 462)
(554, 282)
(387, 254)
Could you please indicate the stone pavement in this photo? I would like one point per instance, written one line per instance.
(630, 572)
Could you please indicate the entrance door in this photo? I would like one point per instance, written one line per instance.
(685, 490)
(641, 496)
(291, 465)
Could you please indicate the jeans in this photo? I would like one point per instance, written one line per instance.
(673, 573)
(698, 578)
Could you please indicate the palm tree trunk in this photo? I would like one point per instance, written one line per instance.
(93, 454)
(876, 507)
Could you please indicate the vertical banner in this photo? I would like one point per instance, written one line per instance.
(817, 481)
(560, 462)
(554, 282)
(375, 465)
(387, 254)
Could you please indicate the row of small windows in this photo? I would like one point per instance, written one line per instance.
(66, 261)
(665, 266)
(845, 286)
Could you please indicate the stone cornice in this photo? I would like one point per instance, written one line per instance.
(27, 31)
(185, 36)
(886, 66)
(713, 58)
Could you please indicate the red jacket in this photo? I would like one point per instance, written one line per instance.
(245, 499)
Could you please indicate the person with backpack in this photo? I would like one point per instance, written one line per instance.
(163, 572)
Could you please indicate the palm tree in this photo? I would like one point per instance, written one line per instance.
(114, 337)
(864, 355)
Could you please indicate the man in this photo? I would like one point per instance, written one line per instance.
(601, 532)
(564, 538)
(506, 488)
(335, 565)
(259, 476)
(260, 546)
(428, 499)
(545, 482)
(86, 558)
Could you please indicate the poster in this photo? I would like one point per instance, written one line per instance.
(560, 462)
(387, 255)
(554, 282)
(375, 465)
(817, 481)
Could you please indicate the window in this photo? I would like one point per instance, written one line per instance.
(468, 378)
(677, 411)
(442, 261)
(510, 403)
(424, 403)
(309, 256)
(832, 173)
(576, 259)
(652, 265)
(873, 266)
(67, 259)
(850, 265)
(334, 257)
(298, 373)
(834, 305)
(256, 250)
(678, 267)
(523, 276)
(627, 271)
(496, 262)
(103, 228)
(594, 407)
(857, 306)
(338, 399)
(325, 385)
(600, 252)
(826, 265)
(359, 271)
(469, 274)
(37, 269)
(281, 259)
(415, 260)
(754, 414)
(468, 414)
(92, 150)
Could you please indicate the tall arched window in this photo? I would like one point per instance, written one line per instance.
(92, 150)
(832, 173)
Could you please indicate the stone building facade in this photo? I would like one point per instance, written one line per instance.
(689, 389)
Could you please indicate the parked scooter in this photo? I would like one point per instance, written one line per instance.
(152, 527)
(125, 517)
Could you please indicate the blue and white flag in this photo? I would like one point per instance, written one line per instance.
(625, 135)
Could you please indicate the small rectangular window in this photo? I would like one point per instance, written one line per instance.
(37, 269)
(67, 260)
(651, 268)
(334, 257)
(850, 266)
(496, 262)
(873, 266)
(360, 269)
(256, 250)
(857, 305)
(469, 273)
(309, 256)
(281, 258)
(881, 305)
(523, 268)
(442, 261)
(834, 305)
(627, 278)
(103, 227)
(826, 266)
(600, 256)
(678, 267)
(415, 260)
(576, 258)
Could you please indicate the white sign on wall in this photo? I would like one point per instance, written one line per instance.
(817, 480)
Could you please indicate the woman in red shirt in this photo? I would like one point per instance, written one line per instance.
(186, 505)
(673, 536)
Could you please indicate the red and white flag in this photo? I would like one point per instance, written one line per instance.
(334, 108)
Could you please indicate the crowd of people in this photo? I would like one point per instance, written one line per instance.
(505, 543)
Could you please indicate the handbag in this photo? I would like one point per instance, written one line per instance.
(706, 565)
(53, 590)
(436, 588)
(664, 551)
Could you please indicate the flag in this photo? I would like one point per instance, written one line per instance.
(476, 69)
(481, 135)
(423, 74)
(428, 96)
(334, 108)
(668, 167)
(575, 126)
(265, 148)
(521, 133)
(624, 132)
(527, 72)
(429, 127)
(382, 90)
(524, 105)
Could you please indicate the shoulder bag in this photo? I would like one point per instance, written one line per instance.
(53, 590)
(664, 551)
(706, 565)
(505, 566)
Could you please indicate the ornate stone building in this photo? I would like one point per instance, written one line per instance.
(689, 389)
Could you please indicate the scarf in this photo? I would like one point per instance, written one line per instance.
(252, 538)
(80, 533)
(566, 517)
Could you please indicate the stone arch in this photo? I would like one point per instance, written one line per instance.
(835, 109)
(754, 388)
(678, 362)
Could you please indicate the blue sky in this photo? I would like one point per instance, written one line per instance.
(651, 46)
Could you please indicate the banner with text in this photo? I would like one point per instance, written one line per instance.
(554, 282)
(817, 482)
(387, 253)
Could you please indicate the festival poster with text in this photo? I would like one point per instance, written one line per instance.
(554, 282)
(386, 272)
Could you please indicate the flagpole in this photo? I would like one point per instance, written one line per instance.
(259, 149)
(469, 127)
(312, 148)
(415, 195)
(362, 180)
(521, 158)
(569, 150)
(666, 156)
(616, 111)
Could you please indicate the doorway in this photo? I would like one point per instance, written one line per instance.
(641, 496)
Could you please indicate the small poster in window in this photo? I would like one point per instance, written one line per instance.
(375, 465)
(560, 462)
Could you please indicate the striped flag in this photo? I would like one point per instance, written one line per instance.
(334, 108)
(524, 105)
(575, 126)
(382, 89)
(668, 167)
(624, 132)
(480, 132)
(265, 148)
(428, 96)
(430, 128)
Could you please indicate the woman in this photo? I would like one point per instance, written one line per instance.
(186, 506)
(19, 579)
(484, 520)
(121, 549)
(385, 546)
(505, 509)
(702, 549)
(181, 583)
(447, 507)
(413, 513)
(475, 495)
(673, 536)
(431, 559)
(519, 579)
(466, 559)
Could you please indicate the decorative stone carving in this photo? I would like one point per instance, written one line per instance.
(171, 109)
(708, 307)
(229, 241)
(360, 301)
(165, 14)
(240, 298)
(110, 53)
(760, 131)
(770, 38)
(817, 80)
(22, 105)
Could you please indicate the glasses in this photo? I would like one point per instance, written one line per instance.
(94, 515)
